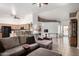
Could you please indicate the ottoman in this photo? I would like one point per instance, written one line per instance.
(45, 44)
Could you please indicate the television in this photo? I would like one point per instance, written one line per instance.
(45, 30)
(22, 28)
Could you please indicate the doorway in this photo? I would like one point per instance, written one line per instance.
(66, 36)
(65, 30)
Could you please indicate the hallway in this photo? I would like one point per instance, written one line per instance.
(66, 50)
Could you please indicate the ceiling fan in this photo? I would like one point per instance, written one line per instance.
(13, 13)
(39, 4)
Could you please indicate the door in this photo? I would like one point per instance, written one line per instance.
(73, 37)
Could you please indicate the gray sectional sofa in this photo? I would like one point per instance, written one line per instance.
(13, 46)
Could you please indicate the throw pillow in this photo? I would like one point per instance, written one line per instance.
(30, 40)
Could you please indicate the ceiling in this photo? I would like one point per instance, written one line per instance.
(23, 9)
(61, 12)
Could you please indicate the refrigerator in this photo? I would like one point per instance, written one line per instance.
(6, 30)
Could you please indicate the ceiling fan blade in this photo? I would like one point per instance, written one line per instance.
(17, 17)
(40, 4)
(13, 10)
(13, 13)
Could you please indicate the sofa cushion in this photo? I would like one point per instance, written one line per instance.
(14, 51)
(1, 48)
(40, 38)
(22, 39)
(9, 42)
(30, 40)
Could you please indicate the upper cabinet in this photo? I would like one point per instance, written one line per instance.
(74, 15)
(14, 27)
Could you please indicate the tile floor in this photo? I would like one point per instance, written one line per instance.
(66, 50)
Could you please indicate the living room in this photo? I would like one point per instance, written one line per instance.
(44, 29)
